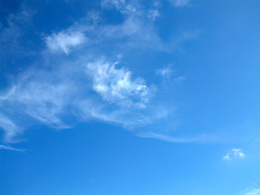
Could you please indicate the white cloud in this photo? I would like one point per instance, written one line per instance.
(234, 153)
(153, 14)
(237, 152)
(64, 41)
(36, 95)
(179, 3)
(109, 93)
(165, 72)
(44, 101)
(10, 148)
(157, 4)
(227, 156)
(9, 127)
(169, 138)
(94, 16)
(179, 79)
(116, 86)
(251, 191)
(14, 31)
(136, 31)
(91, 90)
(110, 3)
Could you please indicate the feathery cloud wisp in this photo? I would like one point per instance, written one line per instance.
(107, 93)
(47, 96)
(115, 85)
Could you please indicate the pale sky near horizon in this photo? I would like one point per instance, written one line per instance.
(129, 97)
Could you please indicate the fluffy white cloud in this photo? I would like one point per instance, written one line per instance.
(238, 152)
(227, 156)
(64, 41)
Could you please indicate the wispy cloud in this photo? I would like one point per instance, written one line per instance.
(165, 72)
(179, 3)
(136, 31)
(153, 14)
(90, 91)
(39, 95)
(10, 148)
(115, 85)
(179, 79)
(170, 138)
(119, 4)
(9, 127)
(89, 87)
(234, 153)
(251, 191)
(35, 96)
(11, 33)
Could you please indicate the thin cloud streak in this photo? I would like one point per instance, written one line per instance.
(170, 138)
(10, 148)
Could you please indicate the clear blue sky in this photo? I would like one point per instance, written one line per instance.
(130, 97)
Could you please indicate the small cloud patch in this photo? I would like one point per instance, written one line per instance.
(64, 41)
(179, 3)
(234, 153)
(165, 72)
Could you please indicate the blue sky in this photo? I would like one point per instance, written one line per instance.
(129, 97)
